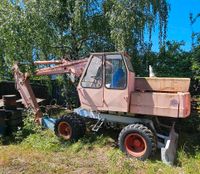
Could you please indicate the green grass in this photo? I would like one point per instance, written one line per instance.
(42, 152)
(32, 150)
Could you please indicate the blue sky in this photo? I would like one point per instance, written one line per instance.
(179, 28)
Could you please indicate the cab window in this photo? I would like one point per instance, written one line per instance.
(94, 73)
(129, 64)
(115, 72)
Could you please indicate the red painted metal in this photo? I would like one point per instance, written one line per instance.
(64, 130)
(135, 145)
(175, 105)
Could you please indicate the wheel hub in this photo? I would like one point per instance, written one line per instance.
(135, 144)
(65, 130)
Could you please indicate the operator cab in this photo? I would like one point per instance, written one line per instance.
(115, 72)
(107, 82)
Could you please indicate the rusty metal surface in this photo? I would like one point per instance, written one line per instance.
(162, 84)
(9, 101)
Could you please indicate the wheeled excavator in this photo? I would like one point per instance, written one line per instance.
(111, 94)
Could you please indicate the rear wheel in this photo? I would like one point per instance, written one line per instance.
(64, 129)
(137, 140)
(70, 127)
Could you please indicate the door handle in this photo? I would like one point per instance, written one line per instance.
(126, 98)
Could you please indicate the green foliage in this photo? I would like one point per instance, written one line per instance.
(195, 54)
(100, 150)
(47, 29)
(43, 140)
(129, 19)
(47, 141)
(35, 29)
(1, 140)
(31, 135)
(196, 63)
(29, 127)
(172, 61)
(22, 31)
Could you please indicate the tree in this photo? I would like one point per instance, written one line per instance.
(172, 61)
(34, 29)
(129, 19)
(195, 56)
(49, 29)
(25, 35)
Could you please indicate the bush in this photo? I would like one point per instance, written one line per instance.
(29, 127)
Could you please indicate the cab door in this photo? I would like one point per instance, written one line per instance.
(90, 88)
(115, 88)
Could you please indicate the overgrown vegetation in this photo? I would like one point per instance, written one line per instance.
(34, 150)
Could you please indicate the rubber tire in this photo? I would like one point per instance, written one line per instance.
(143, 131)
(77, 126)
(81, 123)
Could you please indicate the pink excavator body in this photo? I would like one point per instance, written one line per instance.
(135, 95)
(109, 84)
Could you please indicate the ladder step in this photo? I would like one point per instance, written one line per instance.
(98, 125)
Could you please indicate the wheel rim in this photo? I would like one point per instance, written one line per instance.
(135, 145)
(65, 130)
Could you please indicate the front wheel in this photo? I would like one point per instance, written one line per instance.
(138, 141)
(70, 127)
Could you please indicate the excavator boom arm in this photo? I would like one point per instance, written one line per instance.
(24, 88)
(73, 67)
